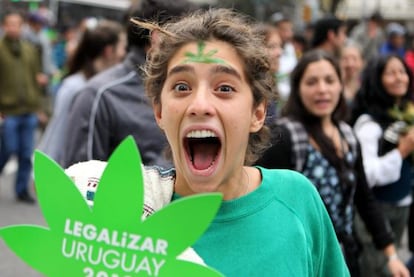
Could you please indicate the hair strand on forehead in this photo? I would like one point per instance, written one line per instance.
(152, 27)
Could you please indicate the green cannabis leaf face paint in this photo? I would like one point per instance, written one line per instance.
(202, 57)
(110, 239)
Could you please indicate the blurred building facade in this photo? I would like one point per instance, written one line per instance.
(398, 10)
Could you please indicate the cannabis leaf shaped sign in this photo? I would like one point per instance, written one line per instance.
(110, 239)
(202, 57)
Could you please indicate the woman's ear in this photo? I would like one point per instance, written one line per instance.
(156, 107)
(155, 40)
(258, 118)
(108, 51)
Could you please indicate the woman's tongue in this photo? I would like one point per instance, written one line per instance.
(203, 155)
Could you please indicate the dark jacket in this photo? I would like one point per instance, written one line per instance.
(19, 90)
(110, 107)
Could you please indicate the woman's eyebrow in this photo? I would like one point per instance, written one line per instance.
(217, 69)
(180, 69)
(227, 70)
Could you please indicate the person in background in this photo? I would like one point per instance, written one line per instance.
(313, 138)
(395, 41)
(102, 45)
(409, 54)
(369, 35)
(69, 36)
(352, 63)
(308, 33)
(409, 59)
(67, 39)
(387, 144)
(34, 32)
(21, 78)
(273, 44)
(207, 72)
(288, 59)
(113, 104)
(301, 44)
(329, 34)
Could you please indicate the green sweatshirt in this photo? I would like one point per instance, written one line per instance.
(19, 65)
(280, 229)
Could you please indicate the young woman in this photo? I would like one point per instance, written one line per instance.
(209, 80)
(386, 144)
(312, 138)
(101, 46)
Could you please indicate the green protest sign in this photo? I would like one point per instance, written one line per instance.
(110, 239)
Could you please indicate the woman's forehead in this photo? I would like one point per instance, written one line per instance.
(214, 52)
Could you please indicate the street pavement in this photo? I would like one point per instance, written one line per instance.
(12, 213)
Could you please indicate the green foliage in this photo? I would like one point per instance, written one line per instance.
(406, 114)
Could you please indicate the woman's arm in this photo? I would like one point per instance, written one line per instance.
(376, 222)
(369, 209)
(379, 170)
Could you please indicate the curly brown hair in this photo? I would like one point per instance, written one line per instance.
(207, 25)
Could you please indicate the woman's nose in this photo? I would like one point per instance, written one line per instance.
(201, 103)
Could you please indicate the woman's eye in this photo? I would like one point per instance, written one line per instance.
(330, 80)
(310, 82)
(225, 88)
(181, 87)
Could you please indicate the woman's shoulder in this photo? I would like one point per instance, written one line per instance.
(293, 190)
(72, 82)
(366, 124)
(364, 120)
(286, 180)
(293, 128)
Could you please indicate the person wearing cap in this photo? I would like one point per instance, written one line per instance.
(395, 43)
(369, 35)
(34, 32)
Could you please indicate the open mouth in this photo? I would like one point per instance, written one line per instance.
(322, 102)
(202, 147)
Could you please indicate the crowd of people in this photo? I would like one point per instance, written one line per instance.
(218, 102)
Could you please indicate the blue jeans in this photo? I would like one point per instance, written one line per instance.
(18, 138)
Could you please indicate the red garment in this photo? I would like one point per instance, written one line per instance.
(409, 59)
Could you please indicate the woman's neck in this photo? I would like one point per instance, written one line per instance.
(327, 123)
(329, 127)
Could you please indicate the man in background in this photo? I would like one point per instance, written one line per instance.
(369, 35)
(329, 34)
(20, 96)
(395, 42)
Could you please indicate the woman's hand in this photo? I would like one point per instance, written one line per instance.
(406, 143)
(397, 268)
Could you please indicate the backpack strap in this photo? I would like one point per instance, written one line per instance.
(299, 139)
(349, 136)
